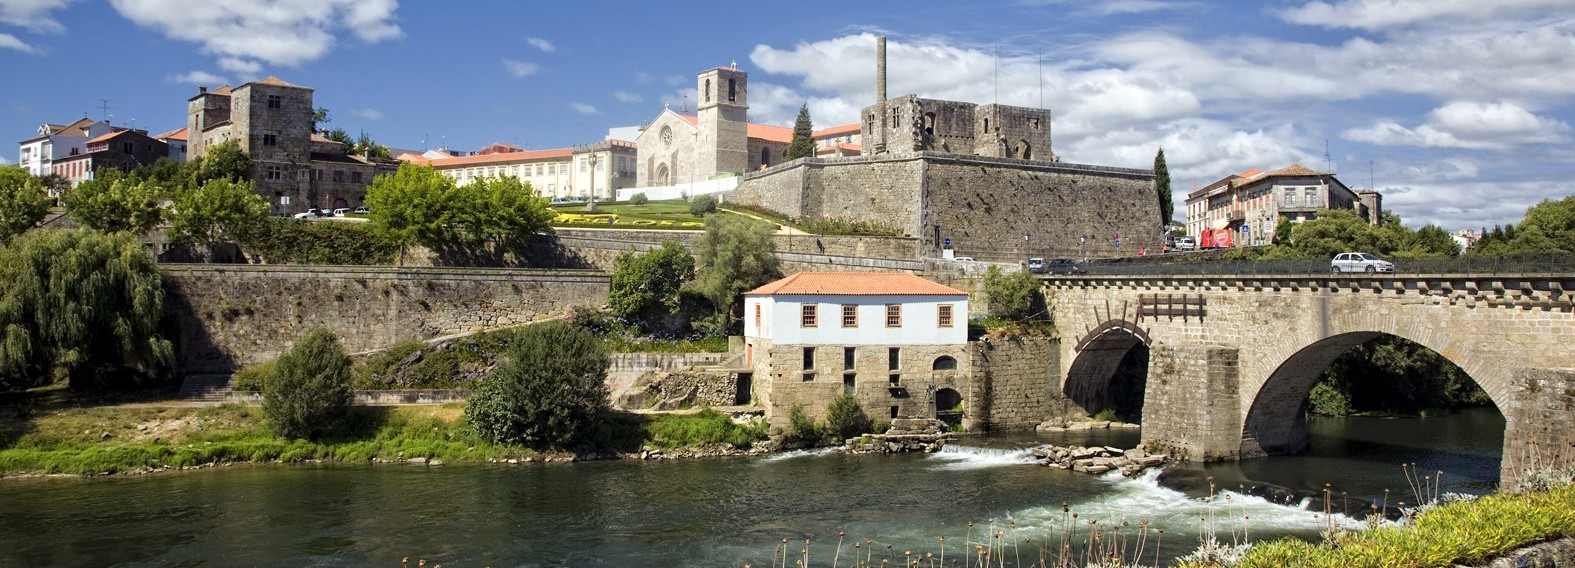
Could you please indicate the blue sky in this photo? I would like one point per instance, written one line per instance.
(1458, 110)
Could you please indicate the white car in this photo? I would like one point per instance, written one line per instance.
(1360, 262)
(341, 212)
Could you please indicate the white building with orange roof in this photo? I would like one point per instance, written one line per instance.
(598, 169)
(176, 139)
(1244, 209)
(895, 341)
(55, 141)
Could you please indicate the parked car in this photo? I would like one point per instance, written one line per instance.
(341, 212)
(312, 213)
(1186, 243)
(963, 259)
(362, 210)
(1065, 266)
(1036, 265)
(1360, 262)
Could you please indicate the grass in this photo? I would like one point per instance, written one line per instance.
(706, 427)
(106, 440)
(667, 214)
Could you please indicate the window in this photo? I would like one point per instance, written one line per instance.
(847, 383)
(848, 357)
(807, 315)
(944, 363)
(339, 175)
(270, 140)
(1312, 196)
(275, 173)
(893, 358)
(893, 315)
(809, 358)
(757, 316)
(850, 315)
(1290, 196)
(707, 90)
(583, 168)
(732, 90)
(355, 177)
(125, 147)
(275, 101)
(945, 316)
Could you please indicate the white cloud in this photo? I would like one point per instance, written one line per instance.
(541, 44)
(583, 108)
(1385, 14)
(520, 69)
(198, 78)
(1110, 7)
(245, 34)
(367, 113)
(642, 77)
(4, 161)
(32, 14)
(1463, 124)
(626, 97)
(1469, 204)
(8, 41)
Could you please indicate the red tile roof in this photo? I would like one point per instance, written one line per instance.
(845, 129)
(855, 284)
(505, 157)
(853, 148)
(176, 134)
(320, 138)
(766, 132)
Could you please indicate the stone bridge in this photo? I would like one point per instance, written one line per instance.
(1231, 358)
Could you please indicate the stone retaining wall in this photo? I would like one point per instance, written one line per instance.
(231, 316)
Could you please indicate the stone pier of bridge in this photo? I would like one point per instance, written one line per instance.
(1231, 358)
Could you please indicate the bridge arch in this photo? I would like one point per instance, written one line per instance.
(1110, 370)
(1274, 416)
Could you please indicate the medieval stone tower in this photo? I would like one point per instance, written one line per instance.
(722, 141)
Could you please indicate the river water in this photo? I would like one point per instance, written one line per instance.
(719, 512)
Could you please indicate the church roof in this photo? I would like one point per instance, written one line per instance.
(770, 133)
(854, 128)
(854, 284)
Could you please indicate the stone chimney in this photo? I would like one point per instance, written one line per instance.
(880, 69)
(202, 89)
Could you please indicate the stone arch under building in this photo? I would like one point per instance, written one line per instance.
(1276, 419)
(1110, 371)
(947, 403)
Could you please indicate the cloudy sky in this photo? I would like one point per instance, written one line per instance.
(1458, 110)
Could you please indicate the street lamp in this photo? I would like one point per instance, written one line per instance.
(1081, 241)
(592, 205)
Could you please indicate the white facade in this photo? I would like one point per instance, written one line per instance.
(780, 319)
(37, 154)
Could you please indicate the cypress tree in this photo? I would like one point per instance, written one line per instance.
(803, 145)
(1162, 187)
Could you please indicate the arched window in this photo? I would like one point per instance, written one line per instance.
(732, 91)
(944, 363)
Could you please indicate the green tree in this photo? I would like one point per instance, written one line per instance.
(845, 418)
(1014, 296)
(371, 150)
(319, 117)
(735, 254)
(502, 209)
(81, 305)
(645, 286)
(550, 394)
(803, 144)
(113, 203)
(1555, 220)
(225, 160)
(413, 205)
(23, 202)
(219, 211)
(699, 205)
(1391, 375)
(1167, 204)
(166, 173)
(307, 390)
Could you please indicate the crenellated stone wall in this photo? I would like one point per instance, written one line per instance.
(231, 316)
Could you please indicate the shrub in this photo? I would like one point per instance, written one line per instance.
(252, 379)
(309, 389)
(639, 199)
(550, 394)
(846, 419)
(1014, 296)
(702, 204)
(801, 428)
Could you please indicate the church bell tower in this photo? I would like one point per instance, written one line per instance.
(723, 122)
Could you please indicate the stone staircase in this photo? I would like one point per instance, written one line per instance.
(205, 388)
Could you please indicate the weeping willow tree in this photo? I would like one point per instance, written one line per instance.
(82, 306)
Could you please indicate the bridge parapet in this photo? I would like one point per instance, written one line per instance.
(1540, 291)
